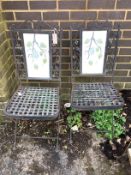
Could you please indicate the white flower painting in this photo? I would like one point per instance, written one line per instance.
(93, 51)
(37, 55)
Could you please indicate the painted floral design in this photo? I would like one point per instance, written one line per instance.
(37, 54)
(93, 50)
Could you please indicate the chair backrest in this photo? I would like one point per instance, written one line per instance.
(94, 50)
(37, 52)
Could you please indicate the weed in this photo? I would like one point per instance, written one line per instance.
(74, 118)
(111, 122)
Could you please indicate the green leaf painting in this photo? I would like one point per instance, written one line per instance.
(93, 51)
(37, 54)
(90, 62)
(93, 45)
(87, 41)
(44, 60)
(35, 66)
(29, 44)
(42, 45)
(99, 41)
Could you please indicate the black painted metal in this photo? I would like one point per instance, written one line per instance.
(92, 96)
(19, 55)
(111, 48)
(27, 101)
(35, 103)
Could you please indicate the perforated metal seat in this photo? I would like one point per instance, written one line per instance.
(92, 96)
(34, 103)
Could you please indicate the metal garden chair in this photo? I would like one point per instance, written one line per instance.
(93, 57)
(37, 54)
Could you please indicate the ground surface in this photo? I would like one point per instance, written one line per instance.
(37, 157)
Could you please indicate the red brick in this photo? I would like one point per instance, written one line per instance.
(65, 52)
(123, 66)
(111, 15)
(123, 24)
(128, 15)
(19, 25)
(65, 59)
(99, 25)
(75, 4)
(121, 4)
(42, 5)
(8, 16)
(28, 15)
(101, 4)
(125, 51)
(10, 5)
(74, 25)
(56, 16)
(123, 59)
(66, 84)
(122, 79)
(127, 34)
(65, 66)
(65, 34)
(66, 73)
(120, 73)
(83, 15)
(45, 25)
(124, 43)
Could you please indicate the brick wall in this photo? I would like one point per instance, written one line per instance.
(7, 75)
(78, 12)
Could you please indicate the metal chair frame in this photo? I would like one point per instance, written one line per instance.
(35, 103)
(94, 94)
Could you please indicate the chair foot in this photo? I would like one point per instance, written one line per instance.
(57, 149)
(15, 133)
(70, 137)
(57, 143)
(57, 139)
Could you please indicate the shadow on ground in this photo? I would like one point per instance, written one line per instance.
(38, 158)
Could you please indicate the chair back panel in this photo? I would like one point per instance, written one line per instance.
(94, 50)
(36, 55)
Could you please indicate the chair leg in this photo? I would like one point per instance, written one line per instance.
(57, 139)
(70, 137)
(15, 133)
(112, 127)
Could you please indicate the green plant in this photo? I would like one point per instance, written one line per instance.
(110, 122)
(74, 118)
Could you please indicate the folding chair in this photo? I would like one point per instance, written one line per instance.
(93, 56)
(37, 54)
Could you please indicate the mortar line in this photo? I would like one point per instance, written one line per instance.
(14, 16)
(115, 5)
(28, 5)
(125, 17)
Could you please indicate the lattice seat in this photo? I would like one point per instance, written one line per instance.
(90, 96)
(34, 103)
